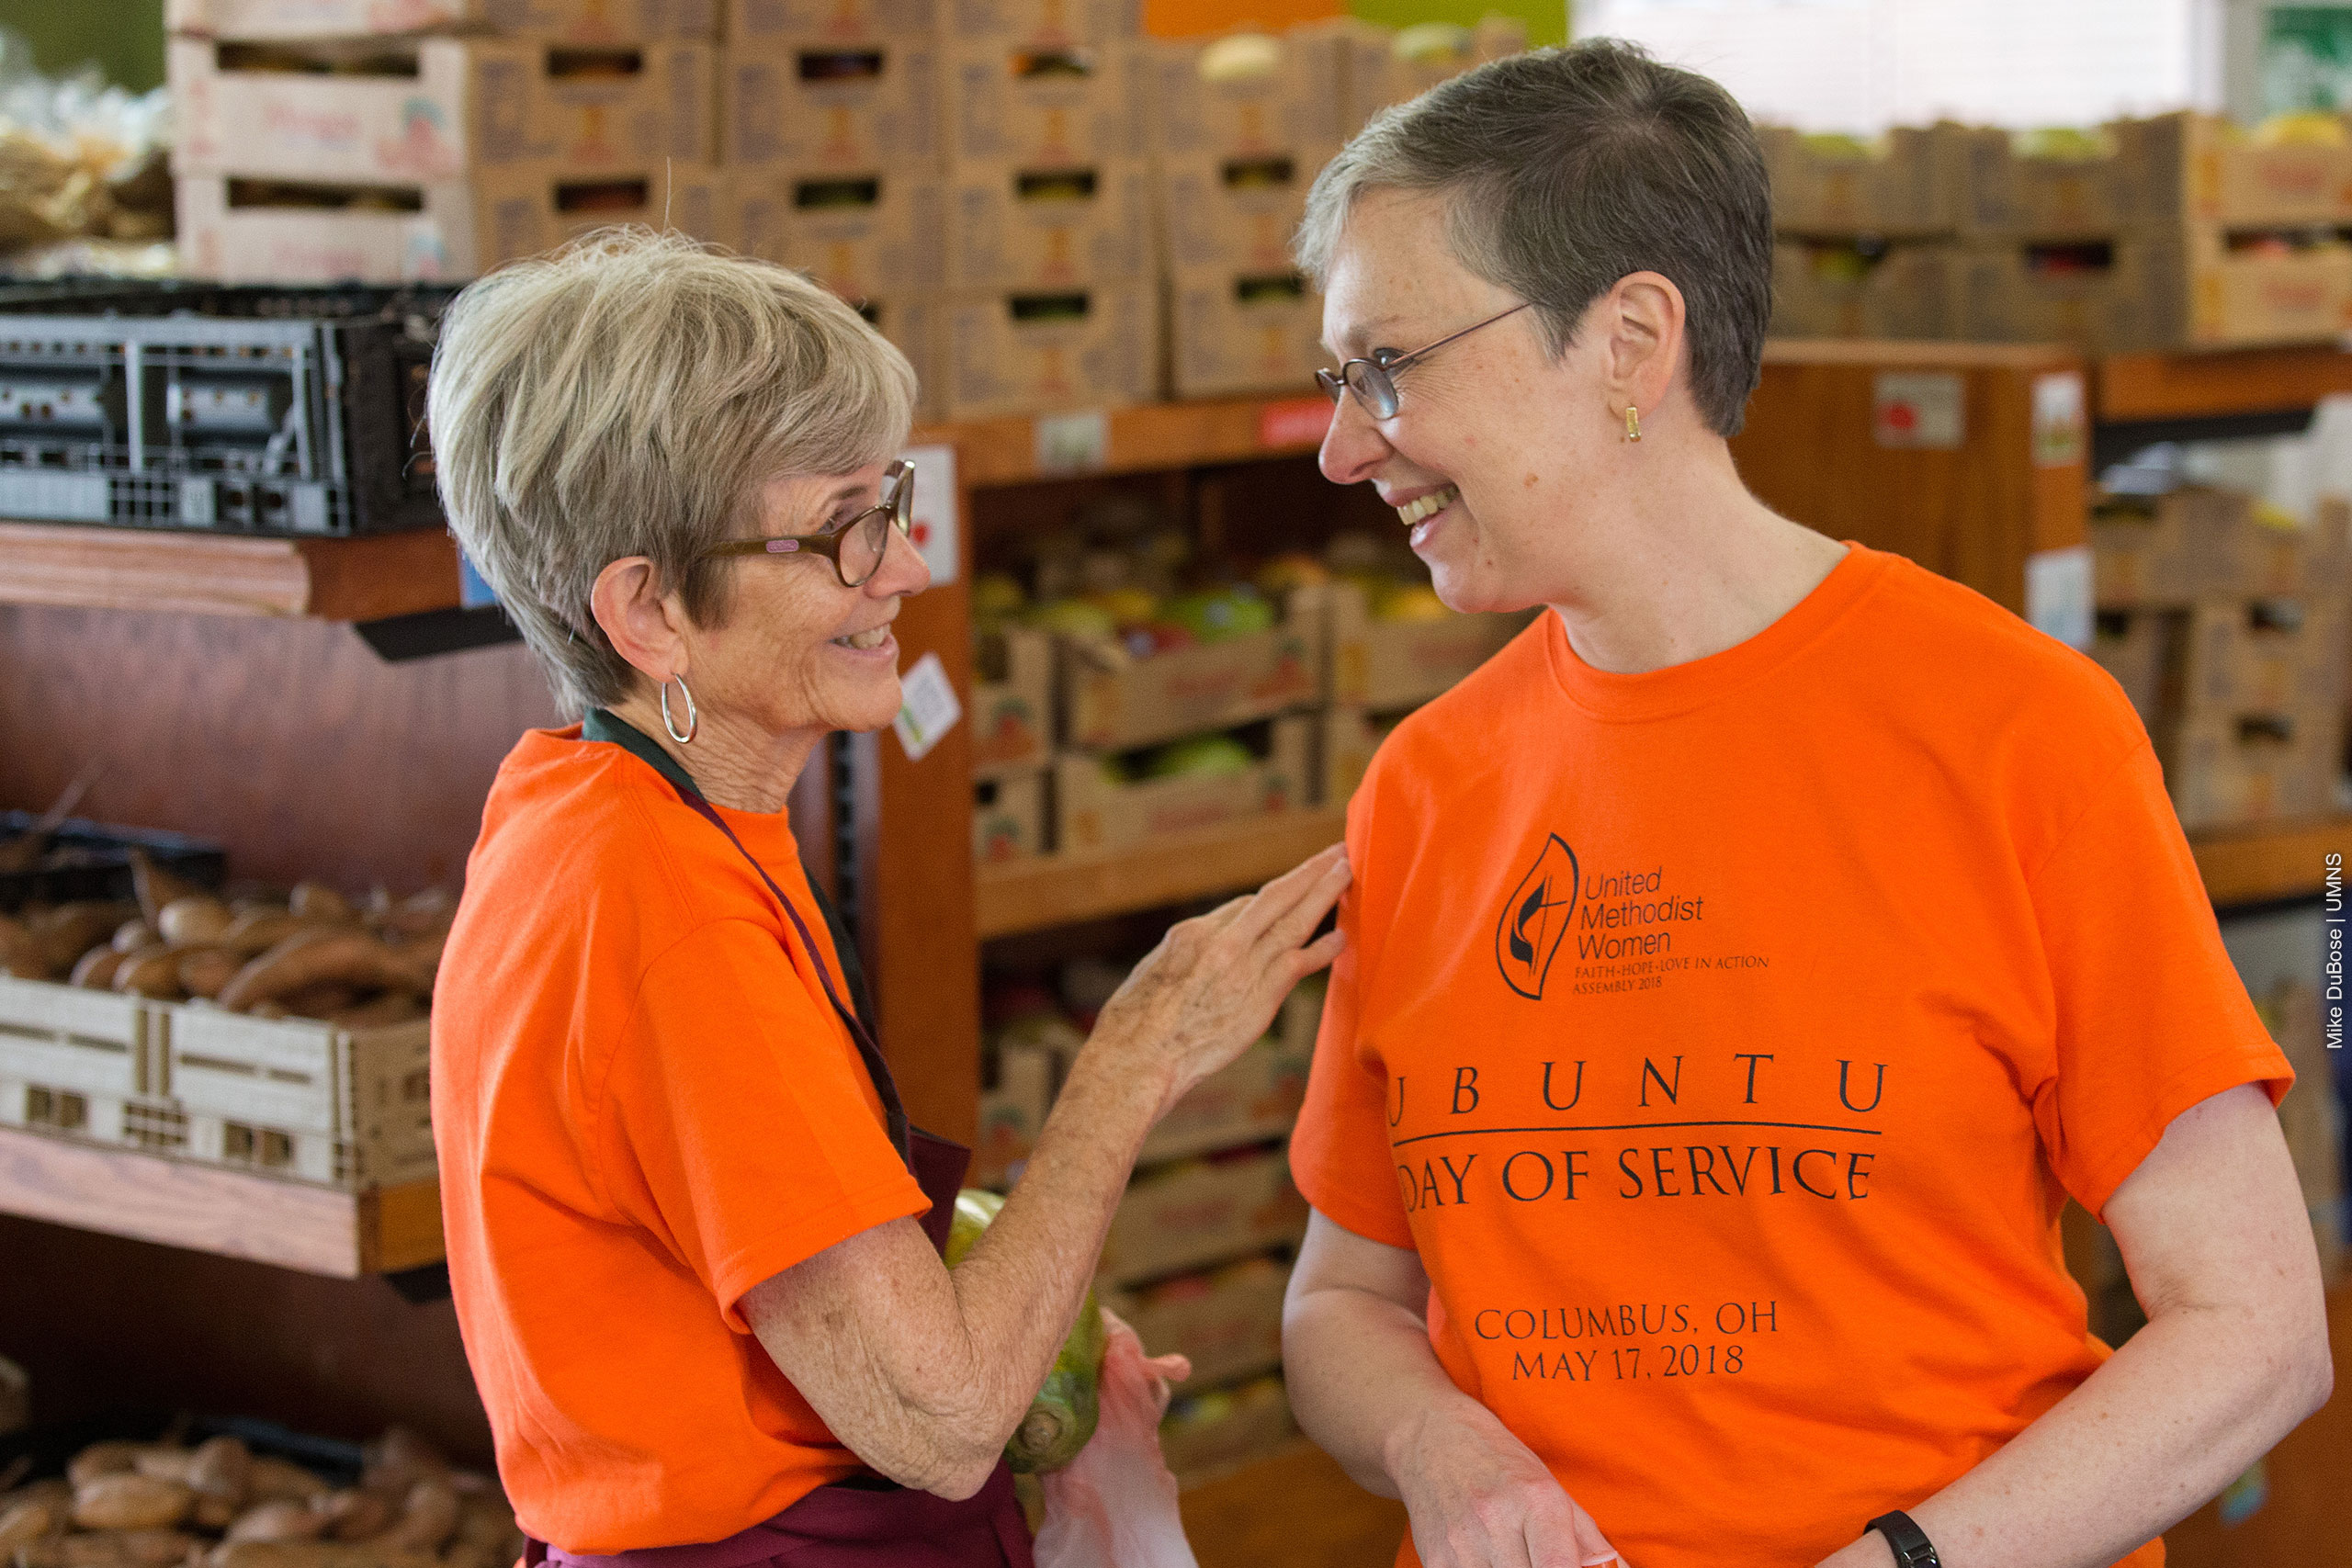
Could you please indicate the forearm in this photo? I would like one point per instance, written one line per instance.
(1362, 1378)
(2181, 1410)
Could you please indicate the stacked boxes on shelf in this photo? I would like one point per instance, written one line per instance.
(1199, 1253)
(314, 146)
(1046, 228)
(831, 136)
(1864, 233)
(2227, 625)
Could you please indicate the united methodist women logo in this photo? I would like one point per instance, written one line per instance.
(1535, 917)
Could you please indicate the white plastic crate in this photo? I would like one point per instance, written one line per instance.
(92, 1042)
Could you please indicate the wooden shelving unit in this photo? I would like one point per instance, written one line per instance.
(1024, 896)
(221, 574)
(2255, 866)
(2147, 388)
(226, 1213)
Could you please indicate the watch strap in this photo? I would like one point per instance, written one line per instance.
(1910, 1543)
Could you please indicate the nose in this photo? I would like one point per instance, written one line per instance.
(903, 569)
(1353, 446)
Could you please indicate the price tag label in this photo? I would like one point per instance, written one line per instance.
(927, 707)
(1073, 443)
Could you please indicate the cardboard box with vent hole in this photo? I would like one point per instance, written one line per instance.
(808, 104)
(1234, 332)
(868, 233)
(1235, 213)
(1049, 350)
(1018, 226)
(560, 21)
(1023, 104)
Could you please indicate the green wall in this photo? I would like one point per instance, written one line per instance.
(124, 37)
(1547, 20)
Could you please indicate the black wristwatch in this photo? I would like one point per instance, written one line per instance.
(1912, 1547)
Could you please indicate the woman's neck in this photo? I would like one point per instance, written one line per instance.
(734, 764)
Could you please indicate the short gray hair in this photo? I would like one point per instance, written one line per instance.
(631, 394)
(1563, 170)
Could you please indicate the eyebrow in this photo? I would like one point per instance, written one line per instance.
(1360, 331)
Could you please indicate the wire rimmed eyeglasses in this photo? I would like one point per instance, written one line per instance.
(856, 548)
(1373, 380)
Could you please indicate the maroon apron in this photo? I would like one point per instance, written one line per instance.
(865, 1520)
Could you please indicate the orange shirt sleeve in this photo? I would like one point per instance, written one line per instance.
(2150, 1016)
(1339, 1156)
(736, 1123)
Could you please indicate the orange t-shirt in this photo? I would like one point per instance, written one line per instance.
(1726, 1038)
(644, 1106)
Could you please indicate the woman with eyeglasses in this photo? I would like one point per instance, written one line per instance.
(693, 1245)
(1744, 964)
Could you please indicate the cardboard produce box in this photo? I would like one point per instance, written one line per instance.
(2214, 290)
(1235, 214)
(850, 21)
(1238, 333)
(1041, 351)
(1383, 77)
(1047, 24)
(556, 21)
(1202, 1211)
(1207, 1432)
(420, 111)
(1111, 701)
(1013, 1107)
(1080, 103)
(2111, 295)
(1251, 1100)
(1013, 702)
(917, 326)
(1299, 101)
(2262, 656)
(1009, 817)
(1092, 812)
(2140, 649)
(1018, 226)
(238, 231)
(2005, 192)
(1386, 664)
(2201, 542)
(811, 104)
(864, 235)
(1839, 289)
(2190, 168)
(2228, 768)
(1228, 1322)
(1903, 183)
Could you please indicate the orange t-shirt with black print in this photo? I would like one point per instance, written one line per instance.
(644, 1106)
(1726, 1038)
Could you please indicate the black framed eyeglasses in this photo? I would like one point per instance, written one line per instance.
(856, 547)
(1373, 380)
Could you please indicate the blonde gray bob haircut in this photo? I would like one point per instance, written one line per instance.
(631, 395)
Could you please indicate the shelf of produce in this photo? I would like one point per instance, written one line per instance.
(148, 569)
(2220, 384)
(2253, 865)
(313, 1229)
(1294, 1507)
(1056, 890)
(1154, 435)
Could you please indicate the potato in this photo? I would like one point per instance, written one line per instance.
(133, 934)
(343, 957)
(356, 1515)
(101, 1459)
(219, 1471)
(96, 968)
(426, 1521)
(273, 1477)
(165, 1461)
(157, 887)
(317, 901)
(69, 931)
(258, 930)
(197, 919)
(29, 1521)
(54, 1489)
(152, 972)
(280, 1518)
(153, 1548)
(103, 1550)
(203, 970)
(128, 1501)
(313, 1554)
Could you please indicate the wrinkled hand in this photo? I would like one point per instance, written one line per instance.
(1213, 984)
(1479, 1498)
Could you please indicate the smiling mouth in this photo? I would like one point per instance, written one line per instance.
(1429, 505)
(867, 640)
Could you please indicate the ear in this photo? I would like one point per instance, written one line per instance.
(1644, 317)
(645, 625)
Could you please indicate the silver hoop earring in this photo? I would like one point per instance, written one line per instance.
(694, 721)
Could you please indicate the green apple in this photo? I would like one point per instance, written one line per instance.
(1203, 756)
(1220, 617)
(1074, 617)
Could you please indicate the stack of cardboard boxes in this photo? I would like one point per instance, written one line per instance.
(2227, 626)
(326, 141)
(2180, 230)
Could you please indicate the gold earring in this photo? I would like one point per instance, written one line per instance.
(1632, 423)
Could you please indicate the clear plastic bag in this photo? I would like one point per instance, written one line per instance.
(1115, 1504)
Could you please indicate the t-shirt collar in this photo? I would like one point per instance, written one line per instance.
(601, 724)
(1678, 688)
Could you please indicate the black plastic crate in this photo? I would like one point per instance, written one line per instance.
(51, 1446)
(272, 411)
(88, 860)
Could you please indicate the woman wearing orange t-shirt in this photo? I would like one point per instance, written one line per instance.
(693, 1242)
(1746, 963)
